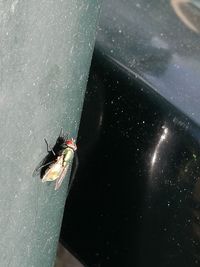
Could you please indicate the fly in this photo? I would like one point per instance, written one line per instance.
(55, 165)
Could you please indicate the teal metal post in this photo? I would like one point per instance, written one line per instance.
(45, 53)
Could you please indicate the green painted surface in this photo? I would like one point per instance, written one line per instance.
(45, 54)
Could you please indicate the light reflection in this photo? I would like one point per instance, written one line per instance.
(163, 137)
(188, 12)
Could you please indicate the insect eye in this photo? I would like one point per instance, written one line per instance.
(69, 143)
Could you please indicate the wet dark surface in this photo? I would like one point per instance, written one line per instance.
(135, 200)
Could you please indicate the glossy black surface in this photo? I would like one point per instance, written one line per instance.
(136, 197)
(135, 200)
(154, 40)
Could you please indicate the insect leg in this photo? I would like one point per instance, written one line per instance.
(48, 148)
(61, 132)
(65, 136)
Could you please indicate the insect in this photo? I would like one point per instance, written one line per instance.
(55, 165)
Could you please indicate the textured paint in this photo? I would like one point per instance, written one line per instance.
(45, 54)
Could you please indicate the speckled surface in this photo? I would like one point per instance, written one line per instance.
(45, 54)
(151, 40)
(137, 189)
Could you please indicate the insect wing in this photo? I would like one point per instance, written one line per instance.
(62, 176)
(51, 157)
(54, 171)
(46, 161)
